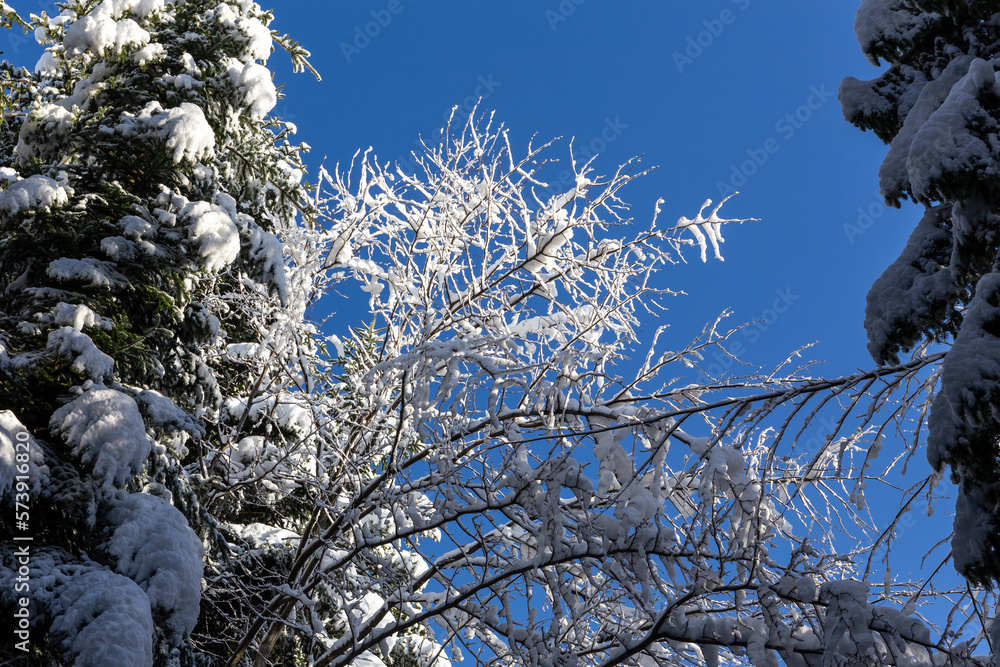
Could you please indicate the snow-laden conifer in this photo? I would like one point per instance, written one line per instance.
(938, 107)
(145, 192)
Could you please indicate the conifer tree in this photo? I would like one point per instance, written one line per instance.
(147, 304)
(211, 480)
(938, 107)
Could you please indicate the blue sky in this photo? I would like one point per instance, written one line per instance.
(697, 89)
(700, 90)
(709, 92)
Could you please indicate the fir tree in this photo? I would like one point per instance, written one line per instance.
(938, 107)
(147, 304)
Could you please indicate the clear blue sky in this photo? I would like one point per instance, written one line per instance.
(743, 66)
(696, 88)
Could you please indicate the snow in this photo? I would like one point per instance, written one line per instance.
(254, 84)
(970, 375)
(118, 247)
(87, 270)
(963, 421)
(946, 146)
(707, 230)
(97, 617)
(183, 81)
(94, 33)
(136, 228)
(244, 351)
(267, 252)
(105, 619)
(12, 434)
(99, 34)
(286, 412)
(161, 413)
(155, 547)
(47, 64)
(258, 36)
(861, 99)
(149, 53)
(184, 128)
(253, 458)
(128, 33)
(246, 28)
(427, 652)
(884, 24)
(262, 536)
(213, 232)
(116, 9)
(78, 316)
(8, 469)
(86, 91)
(80, 349)
(913, 293)
(847, 622)
(893, 175)
(105, 430)
(33, 193)
(367, 659)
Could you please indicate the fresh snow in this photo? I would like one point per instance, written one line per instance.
(184, 128)
(894, 177)
(104, 619)
(10, 429)
(915, 290)
(162, 413)
(77, 346)
(98, 618)
(87, 270)
(78, 316)
(946, 145)
(262, 536)
(154, 546)
(885, 22)
(105, 430)
(254, 84)
(213, 233)
(98, 33)
(32, 193)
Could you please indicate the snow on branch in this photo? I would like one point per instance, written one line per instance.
(492, 482)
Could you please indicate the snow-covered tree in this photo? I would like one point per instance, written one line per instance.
(475, 470)
(938, 107)
(498, 489)
(144, 189)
